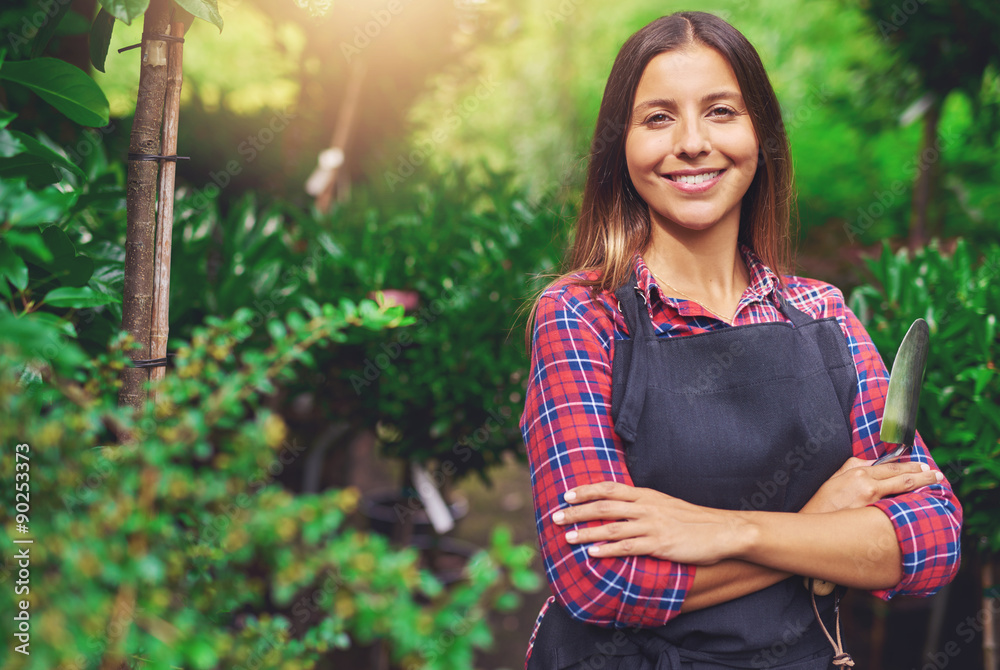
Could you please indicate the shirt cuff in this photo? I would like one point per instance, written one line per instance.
(929, 539)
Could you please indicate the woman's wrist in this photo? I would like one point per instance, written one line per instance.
(747, 532)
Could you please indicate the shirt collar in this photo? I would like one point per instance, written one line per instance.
(763, 280)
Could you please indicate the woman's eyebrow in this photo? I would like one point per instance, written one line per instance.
(731, 96)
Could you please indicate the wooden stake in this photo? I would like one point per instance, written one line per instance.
(140, 201)
(342, 131)
(989, 630)
(165, 223)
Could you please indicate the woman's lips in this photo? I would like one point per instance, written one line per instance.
(700, 187)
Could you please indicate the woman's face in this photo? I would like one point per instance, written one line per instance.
(691, 149)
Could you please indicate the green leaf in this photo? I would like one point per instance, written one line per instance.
(47, 29)
(100, 38)
(33, 147)
(126, 10)
(64, 86)
(207, 10)
(78, 297)
(6, 117)
(30, 241)
(21, 206)
(67, 266)
(73, 23)
(12, 267)
(39, 173)
(38, 338)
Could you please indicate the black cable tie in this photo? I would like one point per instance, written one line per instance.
(155, 157)
(153, 37)
(151, 362)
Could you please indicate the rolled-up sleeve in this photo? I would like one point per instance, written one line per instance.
(570, 440)
(928, 521)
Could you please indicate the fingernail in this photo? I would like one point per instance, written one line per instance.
(558, 516)
(940, 476)
(925, 467)
(570, 495)
(570, 536)
(594, 550)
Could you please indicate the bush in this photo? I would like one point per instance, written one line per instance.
(166, 534)
(959, 296)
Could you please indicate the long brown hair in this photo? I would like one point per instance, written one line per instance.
(613, 224)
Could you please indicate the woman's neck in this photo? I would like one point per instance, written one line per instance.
(706, 265)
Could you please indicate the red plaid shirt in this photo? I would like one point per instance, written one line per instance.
(571, 441)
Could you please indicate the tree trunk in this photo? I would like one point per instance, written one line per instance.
(165, 225)
(927, 176)
(342, 131)
(989, 625)
(140, 202)
(75, 49)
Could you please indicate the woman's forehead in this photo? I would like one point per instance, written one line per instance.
(695, 72)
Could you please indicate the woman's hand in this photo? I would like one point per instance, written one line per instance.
(644, 522)
(858, 483)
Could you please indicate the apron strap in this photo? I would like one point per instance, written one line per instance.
(642, 335)
(798, 318)
(841, 658)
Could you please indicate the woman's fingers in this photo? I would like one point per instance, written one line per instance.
(601, 491)
(887, 470)
(907, 481)
(594, 511)
(618, 530)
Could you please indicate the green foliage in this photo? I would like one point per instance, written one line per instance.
(184, 528)
(52, 269)
(64, 86)
(125, 10)
(207, 10)
(100, 38)
(959, 296)
(950, 44)
(450, 388)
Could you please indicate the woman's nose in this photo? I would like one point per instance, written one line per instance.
(692, 139)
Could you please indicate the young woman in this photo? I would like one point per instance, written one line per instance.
(701, 428)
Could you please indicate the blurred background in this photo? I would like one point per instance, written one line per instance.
(331, 474)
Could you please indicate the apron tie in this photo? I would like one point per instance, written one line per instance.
(841, 658)
(660, 654)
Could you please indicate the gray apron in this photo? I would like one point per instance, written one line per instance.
(745, 417)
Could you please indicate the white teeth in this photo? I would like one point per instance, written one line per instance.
(696, 178)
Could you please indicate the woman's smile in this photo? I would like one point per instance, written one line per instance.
(691, 149)
(695, 181)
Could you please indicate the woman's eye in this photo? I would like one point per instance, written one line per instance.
(722, 111)
(659, 117)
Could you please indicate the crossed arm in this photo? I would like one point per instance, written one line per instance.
(658, 556)
(836, 537)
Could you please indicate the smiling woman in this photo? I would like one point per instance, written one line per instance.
(650, 449)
